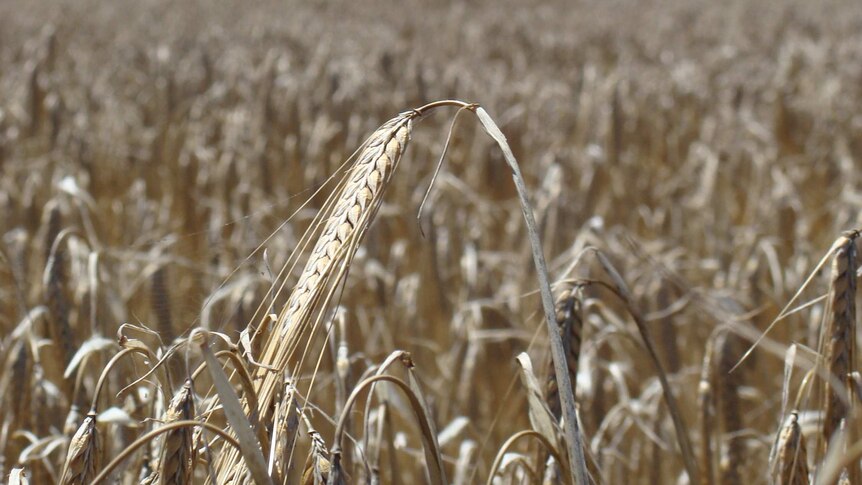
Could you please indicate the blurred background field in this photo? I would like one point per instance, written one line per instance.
(151, 151)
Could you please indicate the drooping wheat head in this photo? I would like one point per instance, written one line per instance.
(350, 211)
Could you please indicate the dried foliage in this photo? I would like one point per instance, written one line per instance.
(212, 269)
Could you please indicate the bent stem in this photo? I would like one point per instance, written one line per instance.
(528, 433)
(156, 432)
(437, 473)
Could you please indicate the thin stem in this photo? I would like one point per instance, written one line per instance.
(104, 374)
(446, 102)
(437, 472)
(153, 434)
(528, 433)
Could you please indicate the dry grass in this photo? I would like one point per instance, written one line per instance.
(212, 272)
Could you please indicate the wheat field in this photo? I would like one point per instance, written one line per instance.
(592, 242)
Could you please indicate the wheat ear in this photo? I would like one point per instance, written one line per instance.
(841, 334)
(83, 455)
(352, 210)
(176, 463)
(570, 326)
(792, 456)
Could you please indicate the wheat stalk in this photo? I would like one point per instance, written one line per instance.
(726, 348)
(706, 402)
